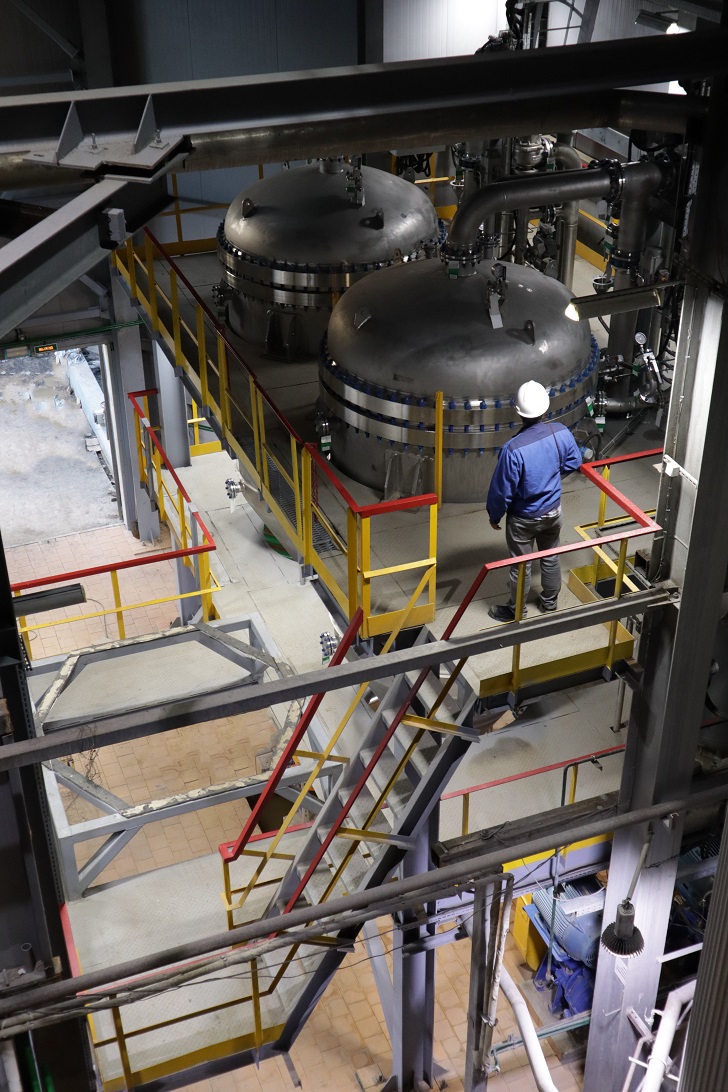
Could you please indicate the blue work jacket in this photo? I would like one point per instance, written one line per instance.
(527, 479)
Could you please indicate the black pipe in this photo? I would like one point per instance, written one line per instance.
(567, 156)
(630, 243)
(532, 191)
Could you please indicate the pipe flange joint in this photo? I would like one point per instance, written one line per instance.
(625, 259)
(615, 171)
(462, 258)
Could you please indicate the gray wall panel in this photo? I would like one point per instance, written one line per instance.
(415, 29)
(315, 34)
(25, 49)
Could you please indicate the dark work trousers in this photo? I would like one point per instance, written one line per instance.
(525, 536)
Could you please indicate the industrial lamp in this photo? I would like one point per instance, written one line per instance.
(659, 20)
(622, 938)
(616, 303)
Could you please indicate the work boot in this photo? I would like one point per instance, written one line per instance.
(503, 612)
(546, 608)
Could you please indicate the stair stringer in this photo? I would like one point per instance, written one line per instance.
(424, 799)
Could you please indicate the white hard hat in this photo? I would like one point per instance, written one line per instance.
(532, 399)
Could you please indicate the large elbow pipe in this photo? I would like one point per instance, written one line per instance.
(532, 191)
(634, 180)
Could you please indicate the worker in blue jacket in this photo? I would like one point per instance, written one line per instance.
(526, 489)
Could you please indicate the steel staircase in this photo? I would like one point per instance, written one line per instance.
(397, 759)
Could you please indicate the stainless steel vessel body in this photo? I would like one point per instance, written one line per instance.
(292, 243)
(408, 332)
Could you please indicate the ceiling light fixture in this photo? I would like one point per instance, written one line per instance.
(658, 20)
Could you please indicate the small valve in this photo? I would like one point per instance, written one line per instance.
(322, 424)
(355, 186)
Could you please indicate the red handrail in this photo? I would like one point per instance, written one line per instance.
(421, 500)
(650, 453)
(530, 773)
(230, 851)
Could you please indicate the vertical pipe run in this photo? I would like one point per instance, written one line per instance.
(439, 425)
(534, 1050)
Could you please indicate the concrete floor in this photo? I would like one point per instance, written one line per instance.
(51, 485)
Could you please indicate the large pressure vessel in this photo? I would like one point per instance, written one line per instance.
(408, 332)
(292, 243)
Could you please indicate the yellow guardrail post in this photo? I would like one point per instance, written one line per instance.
(179, 358)
(439, 425)
(205, 586)
(256, 430)
(466, 814)
(261, 436)
(603, 500)
(352, 560)
(520, 590)
(117, 604)
(296, 486)
(123, 1051)
(195, 424)
(141, 462)
(256, 1003)
(432, 546)
(131, 262)
(151, 281)
(618, 581)
(573, 779)
(157, 463)
(307, 513)
(202, 355)
(224, 379)
(182, 515)
(365, 550)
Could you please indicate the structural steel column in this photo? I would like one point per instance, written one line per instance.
(126, 373)
(705, 1061)
(413, 979)
(172, 410)
(30, 890)
(677, 641)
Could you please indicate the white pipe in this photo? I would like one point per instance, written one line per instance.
(9, 1067)
(660, 1057)
(536, 1059)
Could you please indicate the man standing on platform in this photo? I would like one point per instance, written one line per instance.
(526, 488)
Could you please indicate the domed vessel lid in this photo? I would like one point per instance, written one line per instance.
(412, 328)
(309, 216)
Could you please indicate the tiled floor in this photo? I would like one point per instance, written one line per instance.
(90, 549)
(161, 766)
